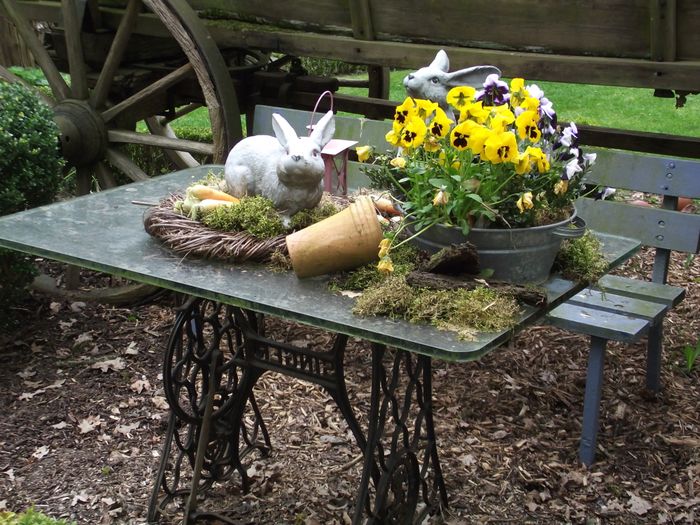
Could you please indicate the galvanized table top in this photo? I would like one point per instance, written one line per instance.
(104, 231)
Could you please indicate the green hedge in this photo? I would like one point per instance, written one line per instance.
(30, 175)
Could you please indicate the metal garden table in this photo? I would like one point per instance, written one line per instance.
(218, 349)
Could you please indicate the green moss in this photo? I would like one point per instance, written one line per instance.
(404, 259)
(391, 298)
(255, 215)
(463, 311)
(279, 262)
(582, 259)
(482, 309)
(30, 517)
(304, 218)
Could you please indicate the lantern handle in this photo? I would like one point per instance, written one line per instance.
(310, 127)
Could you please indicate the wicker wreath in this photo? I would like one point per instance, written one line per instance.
(189, 237)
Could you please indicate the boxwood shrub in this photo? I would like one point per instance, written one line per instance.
(30, 174)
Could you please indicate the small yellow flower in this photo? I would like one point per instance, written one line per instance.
(405, 111)
(478, 138)
(561, 187)
(525, 202)
(425, 108)
(441, 198)
(440, 125)
(385, 265)
(527, 126)
(460, 134)
(431, 143)
(530, 104)
(393, 137)
(363, 152)
(413, 133)
(501, 147)
(384, 246)
(540, 158)
(477, 112)
(517, 85)
(524, 163)
(398, 162)
(460, 96)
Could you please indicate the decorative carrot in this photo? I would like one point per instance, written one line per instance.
(202, 192)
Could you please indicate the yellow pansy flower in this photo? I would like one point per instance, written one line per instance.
(398, 162)
(431, 143)
(477, 112)
(530, 104)
(460, 96)
(527, 126)
(363, 152)
(501, 120)
(561, 187)
(440, 125)
(501, 147)
(460, 134)
(404, 111)
(384, 246)
(385, 265)
(517, 85)
(393, 137)
(478, 138)
(413, 133)
(525, 202)
(540, 158)
(441, 198)
(524, 164)
(425, 108)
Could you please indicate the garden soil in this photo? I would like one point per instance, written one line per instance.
(80, 438)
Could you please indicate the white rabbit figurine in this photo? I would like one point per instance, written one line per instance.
(286, 169)
(433, 82)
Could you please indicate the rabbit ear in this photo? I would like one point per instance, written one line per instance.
(324, 129)
(441, 61)
(283, 131)
(471, 76)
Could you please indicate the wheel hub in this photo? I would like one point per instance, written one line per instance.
(83, 132)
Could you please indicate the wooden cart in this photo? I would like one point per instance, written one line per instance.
(111, 64)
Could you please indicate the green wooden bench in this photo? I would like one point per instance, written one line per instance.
(617, 308)
(620, 308)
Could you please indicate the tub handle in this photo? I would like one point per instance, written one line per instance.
(573, 230)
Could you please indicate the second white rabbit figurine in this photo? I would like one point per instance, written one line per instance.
(286, 169)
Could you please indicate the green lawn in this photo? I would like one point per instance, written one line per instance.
(623, 108)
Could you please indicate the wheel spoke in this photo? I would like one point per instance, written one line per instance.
(84, 176)
(181, 159)
(162, 84)
(181, 112)
(105, 176)
(133, 137)
(59, 87)
(116, 52)
(8, 75)
(125, 165)
(76, 61)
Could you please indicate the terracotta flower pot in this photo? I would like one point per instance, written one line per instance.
(343, 241)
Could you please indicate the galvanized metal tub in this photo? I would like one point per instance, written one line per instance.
(516, 255)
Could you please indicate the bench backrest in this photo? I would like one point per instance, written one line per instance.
(662, 227)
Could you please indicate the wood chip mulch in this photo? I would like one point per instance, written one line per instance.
(84, 417)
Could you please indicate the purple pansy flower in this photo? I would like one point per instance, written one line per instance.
(495, 92)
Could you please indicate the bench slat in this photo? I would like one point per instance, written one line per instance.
(646, 173)
(652, 226)
(645, 290)
(600, 323)
(620, 304)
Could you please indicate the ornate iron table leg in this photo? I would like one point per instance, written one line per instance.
(411, 485)
(202, 385)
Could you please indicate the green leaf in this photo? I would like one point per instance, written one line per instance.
(438, 183)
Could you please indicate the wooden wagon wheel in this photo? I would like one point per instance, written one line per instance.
(97, 115)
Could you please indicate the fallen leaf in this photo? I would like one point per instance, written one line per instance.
(77, 306)
(350, 293)
(140, 385)
(10, 473)
(65, 325)
(82, 497)
(638, 505)
(131, 349)
(26, 373)
(55, 307)
(60, 426)
(89, 424)
(115, 364)
(56, 384)
(127, 429)
(82, 340)
(160, 402)
(40, 452)
(28, 395)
